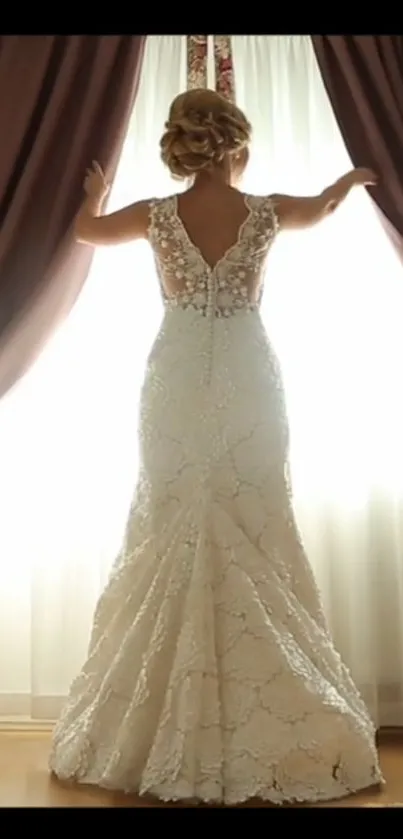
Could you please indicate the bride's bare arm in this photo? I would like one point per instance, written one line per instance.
(93, 228)
(294, 213)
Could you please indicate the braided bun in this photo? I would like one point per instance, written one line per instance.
(202, 129)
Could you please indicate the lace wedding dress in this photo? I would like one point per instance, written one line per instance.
(211, 674)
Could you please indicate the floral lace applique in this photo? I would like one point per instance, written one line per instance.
(231, 284)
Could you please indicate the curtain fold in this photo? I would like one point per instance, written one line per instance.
(75, 94)
(363, 76)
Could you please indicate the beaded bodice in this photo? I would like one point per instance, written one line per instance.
(234, 283)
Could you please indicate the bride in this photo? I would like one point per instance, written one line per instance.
(211, 674)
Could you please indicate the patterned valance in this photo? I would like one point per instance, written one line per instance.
(197, 53)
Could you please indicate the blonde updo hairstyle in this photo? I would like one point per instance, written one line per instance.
(202, 129)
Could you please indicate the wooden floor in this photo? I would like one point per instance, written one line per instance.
(25, 780)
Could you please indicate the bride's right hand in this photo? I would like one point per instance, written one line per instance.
(364, 177)
(95, 184)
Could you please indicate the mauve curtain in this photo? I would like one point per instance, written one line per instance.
(363, 75)
(64, 101)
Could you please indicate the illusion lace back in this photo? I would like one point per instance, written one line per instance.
(211, 673)
(187, 280)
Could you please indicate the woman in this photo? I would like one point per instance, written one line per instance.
(211, 674)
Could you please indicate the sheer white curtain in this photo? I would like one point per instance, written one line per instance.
(333, 301)
(333, 306)
(68, 435)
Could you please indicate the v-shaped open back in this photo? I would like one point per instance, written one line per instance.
(228, 251)
(234, 282)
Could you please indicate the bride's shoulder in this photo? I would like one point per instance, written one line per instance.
(164, 199)
(259, 200)
(162, 203)
(265, 206)
(161, 215)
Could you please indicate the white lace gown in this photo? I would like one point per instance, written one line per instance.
(211, 674)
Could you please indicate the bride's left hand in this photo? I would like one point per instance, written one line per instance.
(95, 183)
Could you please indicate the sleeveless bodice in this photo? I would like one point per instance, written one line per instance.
(234, 283)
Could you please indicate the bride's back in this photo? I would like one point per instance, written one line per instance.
(211, 248)
(212, 217)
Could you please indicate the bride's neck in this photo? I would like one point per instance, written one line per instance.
(217, 178)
